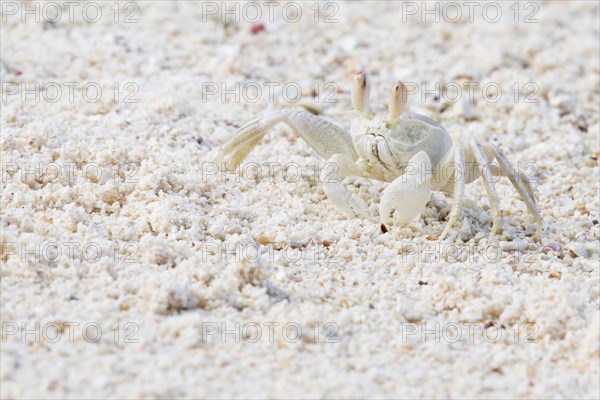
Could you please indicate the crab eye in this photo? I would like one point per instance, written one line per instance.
(360, 92)
(397, 103)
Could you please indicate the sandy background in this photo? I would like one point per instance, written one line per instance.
(138, 190)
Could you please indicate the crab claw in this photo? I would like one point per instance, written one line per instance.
(397, 102)
(361, 88)
(406, 196)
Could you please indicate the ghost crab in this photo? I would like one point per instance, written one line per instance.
(410, 151)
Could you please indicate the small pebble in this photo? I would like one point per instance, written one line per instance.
(551, 247)
(258, 27)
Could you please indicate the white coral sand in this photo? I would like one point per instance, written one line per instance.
(114, 219)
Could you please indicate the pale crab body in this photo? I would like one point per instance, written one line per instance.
(389, 149)
(411, 152)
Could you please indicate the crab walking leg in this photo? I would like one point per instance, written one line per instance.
(498, 171)
(247, 137)
(525, 194)
(323, 136)
(493, 153)
(406, 196)
(337, 167)
(488, 182)
(242, 151)
(459, 188)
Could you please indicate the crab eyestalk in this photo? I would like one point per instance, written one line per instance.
(360, 93)
(397, 102)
